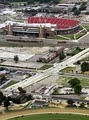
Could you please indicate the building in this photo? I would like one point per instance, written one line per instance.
(47, 57)
(52, 54)
(56, 50)
(39, 103)
(26, 29)
(65, 6)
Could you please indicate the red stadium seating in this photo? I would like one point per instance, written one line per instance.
(60, 22)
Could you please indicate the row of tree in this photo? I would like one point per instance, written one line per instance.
(7, 100)
(71, 103)
(82, 7)
(33, 1)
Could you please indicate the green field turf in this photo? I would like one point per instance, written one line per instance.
(52, 117)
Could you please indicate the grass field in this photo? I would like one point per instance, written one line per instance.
(87, 27)
(64, 81)
(71, 36)
(51, 116)
(80, 34)
(10, 83)
(68, 69)
(58, 38)
(46, 67)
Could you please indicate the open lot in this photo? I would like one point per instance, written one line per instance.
(26, 50)
(24, 53)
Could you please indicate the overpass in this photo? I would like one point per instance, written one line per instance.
(56, 68)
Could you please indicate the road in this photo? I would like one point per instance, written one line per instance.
(67, 98)
(74, 75)
(40, 76)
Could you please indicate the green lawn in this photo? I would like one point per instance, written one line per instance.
(64, 81)
(10, 83)
(45, 67)
(87, 27)
(71, 36)
(57, 37)
(80, 35)
(51, 116)
(68, 69)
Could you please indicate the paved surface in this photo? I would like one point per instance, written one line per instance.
(84, 39)
(23, 64)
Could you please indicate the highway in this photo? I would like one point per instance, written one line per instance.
(40, 76)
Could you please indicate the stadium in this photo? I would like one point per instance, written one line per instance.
(42, 27)
(59, 25)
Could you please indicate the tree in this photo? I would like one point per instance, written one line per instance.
(70, 102)
(55, 1)
(16, 100)
(78, 62)
(21, 90)
(2, 97)
(77, 12)
(83, 6)
(73, 82)
(62, 56)
(2, 68)
(3, 78)
(30, 2)
(7, 103)
(79, 49)
(74, 8)
(77, 89)
(84, 66)
(16, 58)
(29, 97)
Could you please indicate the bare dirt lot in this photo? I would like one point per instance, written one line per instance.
(31, 50)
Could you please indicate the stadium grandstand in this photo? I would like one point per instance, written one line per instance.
(61, 25)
